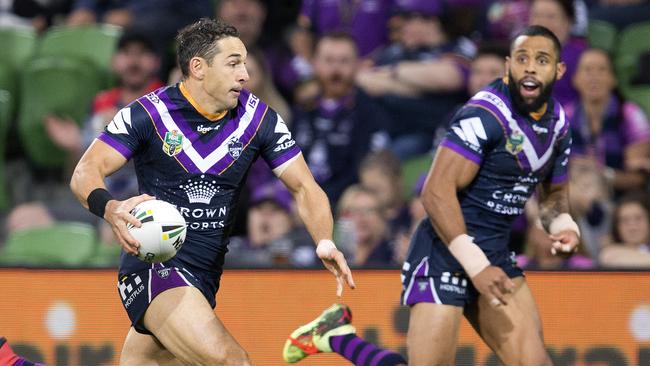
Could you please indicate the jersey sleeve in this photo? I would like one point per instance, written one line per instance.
(278, 148)
(559, 174)
(472, 133)
(128, 130)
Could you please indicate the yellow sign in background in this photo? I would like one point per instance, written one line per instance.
(74, 317)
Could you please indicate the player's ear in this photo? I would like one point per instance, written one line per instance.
(561, 69)
(197, 67)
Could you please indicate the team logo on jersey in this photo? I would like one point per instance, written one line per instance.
(515, 143)
(285, 141)
(200, 191)
(173, 143)
(235, 147)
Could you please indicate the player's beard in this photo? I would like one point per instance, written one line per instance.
(523, 107)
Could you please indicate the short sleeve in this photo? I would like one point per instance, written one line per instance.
(472, 133)
(278, 148)
(128, 130)
(561, 164)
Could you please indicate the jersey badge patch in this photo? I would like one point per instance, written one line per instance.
(173, 143)
(515, 143)
(235, 148)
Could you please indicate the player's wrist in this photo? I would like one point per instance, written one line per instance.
(324, 248)
(97, 200)
(563, 222)
(468, 254)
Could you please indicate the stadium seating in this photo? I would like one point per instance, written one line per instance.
(632, 43)
(62, 244)
(602, 34)
(17, 45)
(8, 83)
(6, 104)
(106, 255)
(58, 86)
(95, 42)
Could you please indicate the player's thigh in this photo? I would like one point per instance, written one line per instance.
(513, 331)
(183, 321)
(432, 334)
(144, 350)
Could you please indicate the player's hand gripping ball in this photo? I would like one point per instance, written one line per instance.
(162, 232)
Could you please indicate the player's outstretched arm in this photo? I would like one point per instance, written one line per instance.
(450, 173)
(314, 210)
(87, 183)
(555, 218)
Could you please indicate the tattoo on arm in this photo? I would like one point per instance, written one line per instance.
(551, 205)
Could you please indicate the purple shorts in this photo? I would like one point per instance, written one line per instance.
(138, 289)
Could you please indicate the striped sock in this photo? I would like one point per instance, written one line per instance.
(363, 353)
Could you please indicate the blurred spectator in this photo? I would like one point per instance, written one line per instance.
(613, 132)
(419, 79)
(381, 172)
(488, 64)
(621, 13)
(537, 252)
(35, 14)
(159, 20)
(417, 214)
(590, 203)
(135, 65)
(369, 244)
(261, 84)
(289, 65)
(365, 20)
(341, 125)
(269, 226)
(559, 17)
(247, 16)
(630, 247)
(507, 17)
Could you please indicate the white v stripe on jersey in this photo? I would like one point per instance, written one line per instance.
(536, 162)
(204, 164)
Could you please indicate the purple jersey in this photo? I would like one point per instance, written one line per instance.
(365, 20)
(515, 152)
(197, 164)
(624, 124)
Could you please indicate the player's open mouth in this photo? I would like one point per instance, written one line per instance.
(529, 88)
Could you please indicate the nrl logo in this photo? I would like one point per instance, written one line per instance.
(173, 143)
(515, 143)
(235, 148)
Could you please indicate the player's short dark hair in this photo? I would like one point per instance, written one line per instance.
(540, 31)
(199, 39)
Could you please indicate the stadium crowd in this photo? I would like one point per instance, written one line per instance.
(366, 87)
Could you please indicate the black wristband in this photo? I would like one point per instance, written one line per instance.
(97, 200)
